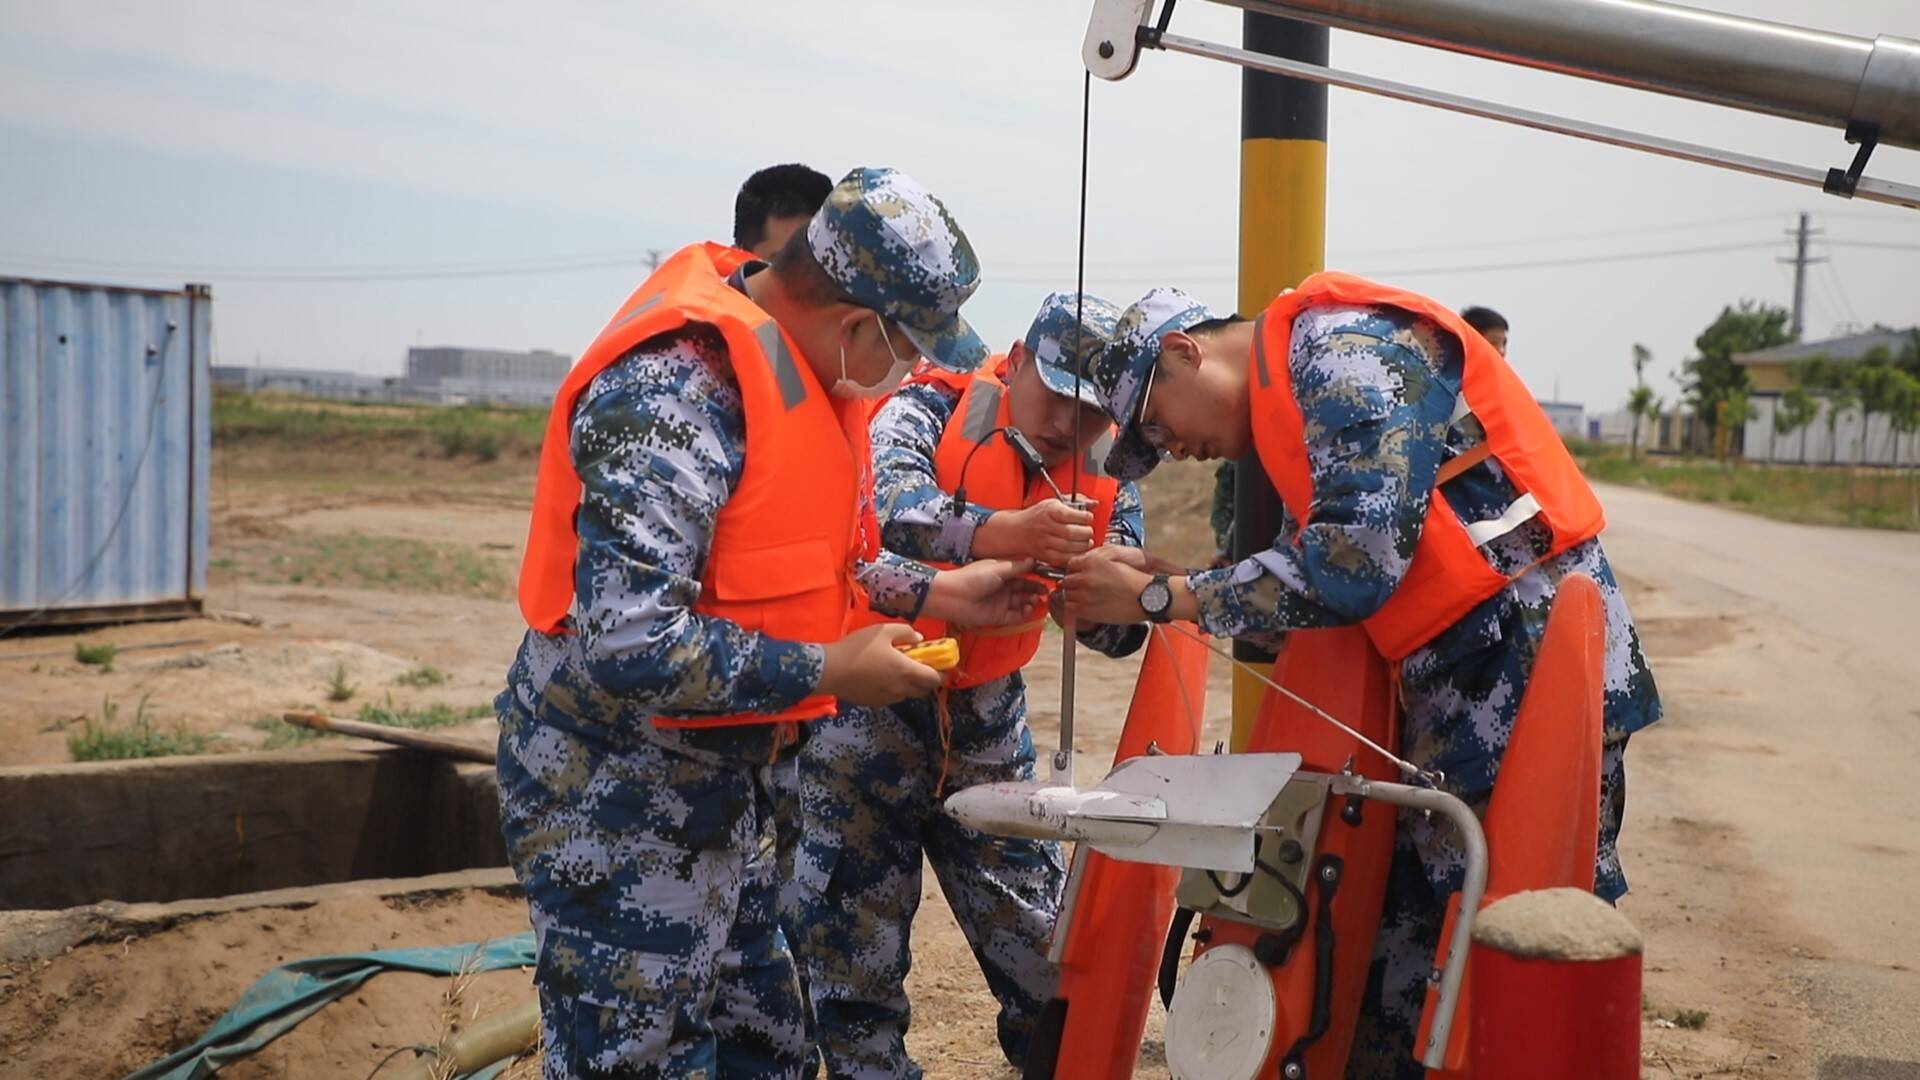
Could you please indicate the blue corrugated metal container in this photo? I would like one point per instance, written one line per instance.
(105, 434)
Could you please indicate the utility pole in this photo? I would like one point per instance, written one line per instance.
(1283, 238)
(653, 256)
(1800, 263)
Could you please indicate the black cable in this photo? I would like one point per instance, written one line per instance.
(1080, 272)
(1226, 893)
(960, 489)
(419, 1050)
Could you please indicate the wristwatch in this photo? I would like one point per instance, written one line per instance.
(1157, 599)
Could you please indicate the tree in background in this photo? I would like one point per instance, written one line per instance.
(1708, 378)
(1905, 419)
(1903, 412)
(1640, 402)
(1833, 382)
(1731, 414)
(1878, 384)
(1795, 412)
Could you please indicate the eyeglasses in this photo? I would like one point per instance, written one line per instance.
(912, 354)
(1154, 435)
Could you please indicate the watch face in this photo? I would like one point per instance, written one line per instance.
(1155, 597)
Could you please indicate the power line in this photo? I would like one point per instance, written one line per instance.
(1578, 260)
(636, 262)
(1840, 290)
(637, 257)
(1438, 271)
(1877, 244)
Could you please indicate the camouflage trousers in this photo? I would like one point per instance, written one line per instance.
(1427, 870)
(870, 783)
(650, 877)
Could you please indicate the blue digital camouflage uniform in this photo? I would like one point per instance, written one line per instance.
(1220, 510)
(1377, 388)
(871, 780)
(645, 852)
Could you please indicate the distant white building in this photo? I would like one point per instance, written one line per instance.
(1615, 427)
(1852, 440)
(1569, 419)
(439, 375)
(457, 375)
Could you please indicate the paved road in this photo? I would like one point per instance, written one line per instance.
(1860, 587)
(1800, 736)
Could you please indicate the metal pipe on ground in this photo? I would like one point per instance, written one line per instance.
(443, 745)
(1784, 70)
(493, 1038)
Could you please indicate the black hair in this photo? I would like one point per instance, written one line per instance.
(1484, 319)
(776, 191)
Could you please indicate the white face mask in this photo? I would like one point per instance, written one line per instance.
(844, 387)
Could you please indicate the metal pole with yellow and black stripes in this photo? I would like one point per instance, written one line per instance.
(1283, 238)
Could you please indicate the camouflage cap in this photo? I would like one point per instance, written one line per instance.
(1065, 338)
(894, 248)
(1120, 371)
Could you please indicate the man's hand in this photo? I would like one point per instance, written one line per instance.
(1049, 531)
(986, 592)
(1103, 586)
(865, 668)
(1140, 560)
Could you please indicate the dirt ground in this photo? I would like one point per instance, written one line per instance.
(1790, 922)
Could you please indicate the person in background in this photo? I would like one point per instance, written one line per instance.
(775, 203)
(1491, 324)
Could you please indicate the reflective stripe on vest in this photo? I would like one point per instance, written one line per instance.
(1449, 574)
(996, 478)
(780, 558)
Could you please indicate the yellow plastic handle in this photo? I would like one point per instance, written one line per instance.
(940, 654)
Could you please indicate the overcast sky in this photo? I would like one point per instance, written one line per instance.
(222, 142)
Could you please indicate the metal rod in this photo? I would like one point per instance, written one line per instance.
(1746, 63)
(1473, 889)
(1872, 189)
(443, 745)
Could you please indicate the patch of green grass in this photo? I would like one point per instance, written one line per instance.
(100, 655)
(1866, 498)
(421, 718)
(282, 735)
(1691, 1019)
(356, 560)
(107, 740)
(480, 432)
(423, 676)
(338, 688)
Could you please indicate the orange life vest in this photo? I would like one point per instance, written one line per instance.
(784, 546)
(994, 477)
(1449, 575)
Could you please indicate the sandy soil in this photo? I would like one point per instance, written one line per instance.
(1768, 835)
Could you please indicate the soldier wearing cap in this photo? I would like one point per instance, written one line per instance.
(951, 489)
(1397, 438)
(702, 546)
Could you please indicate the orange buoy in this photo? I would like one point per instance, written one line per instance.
(1543, 819)
(1119, 911)
(1318, 972)
(1557, 976)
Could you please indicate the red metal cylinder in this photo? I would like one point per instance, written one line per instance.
(1556, 989)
